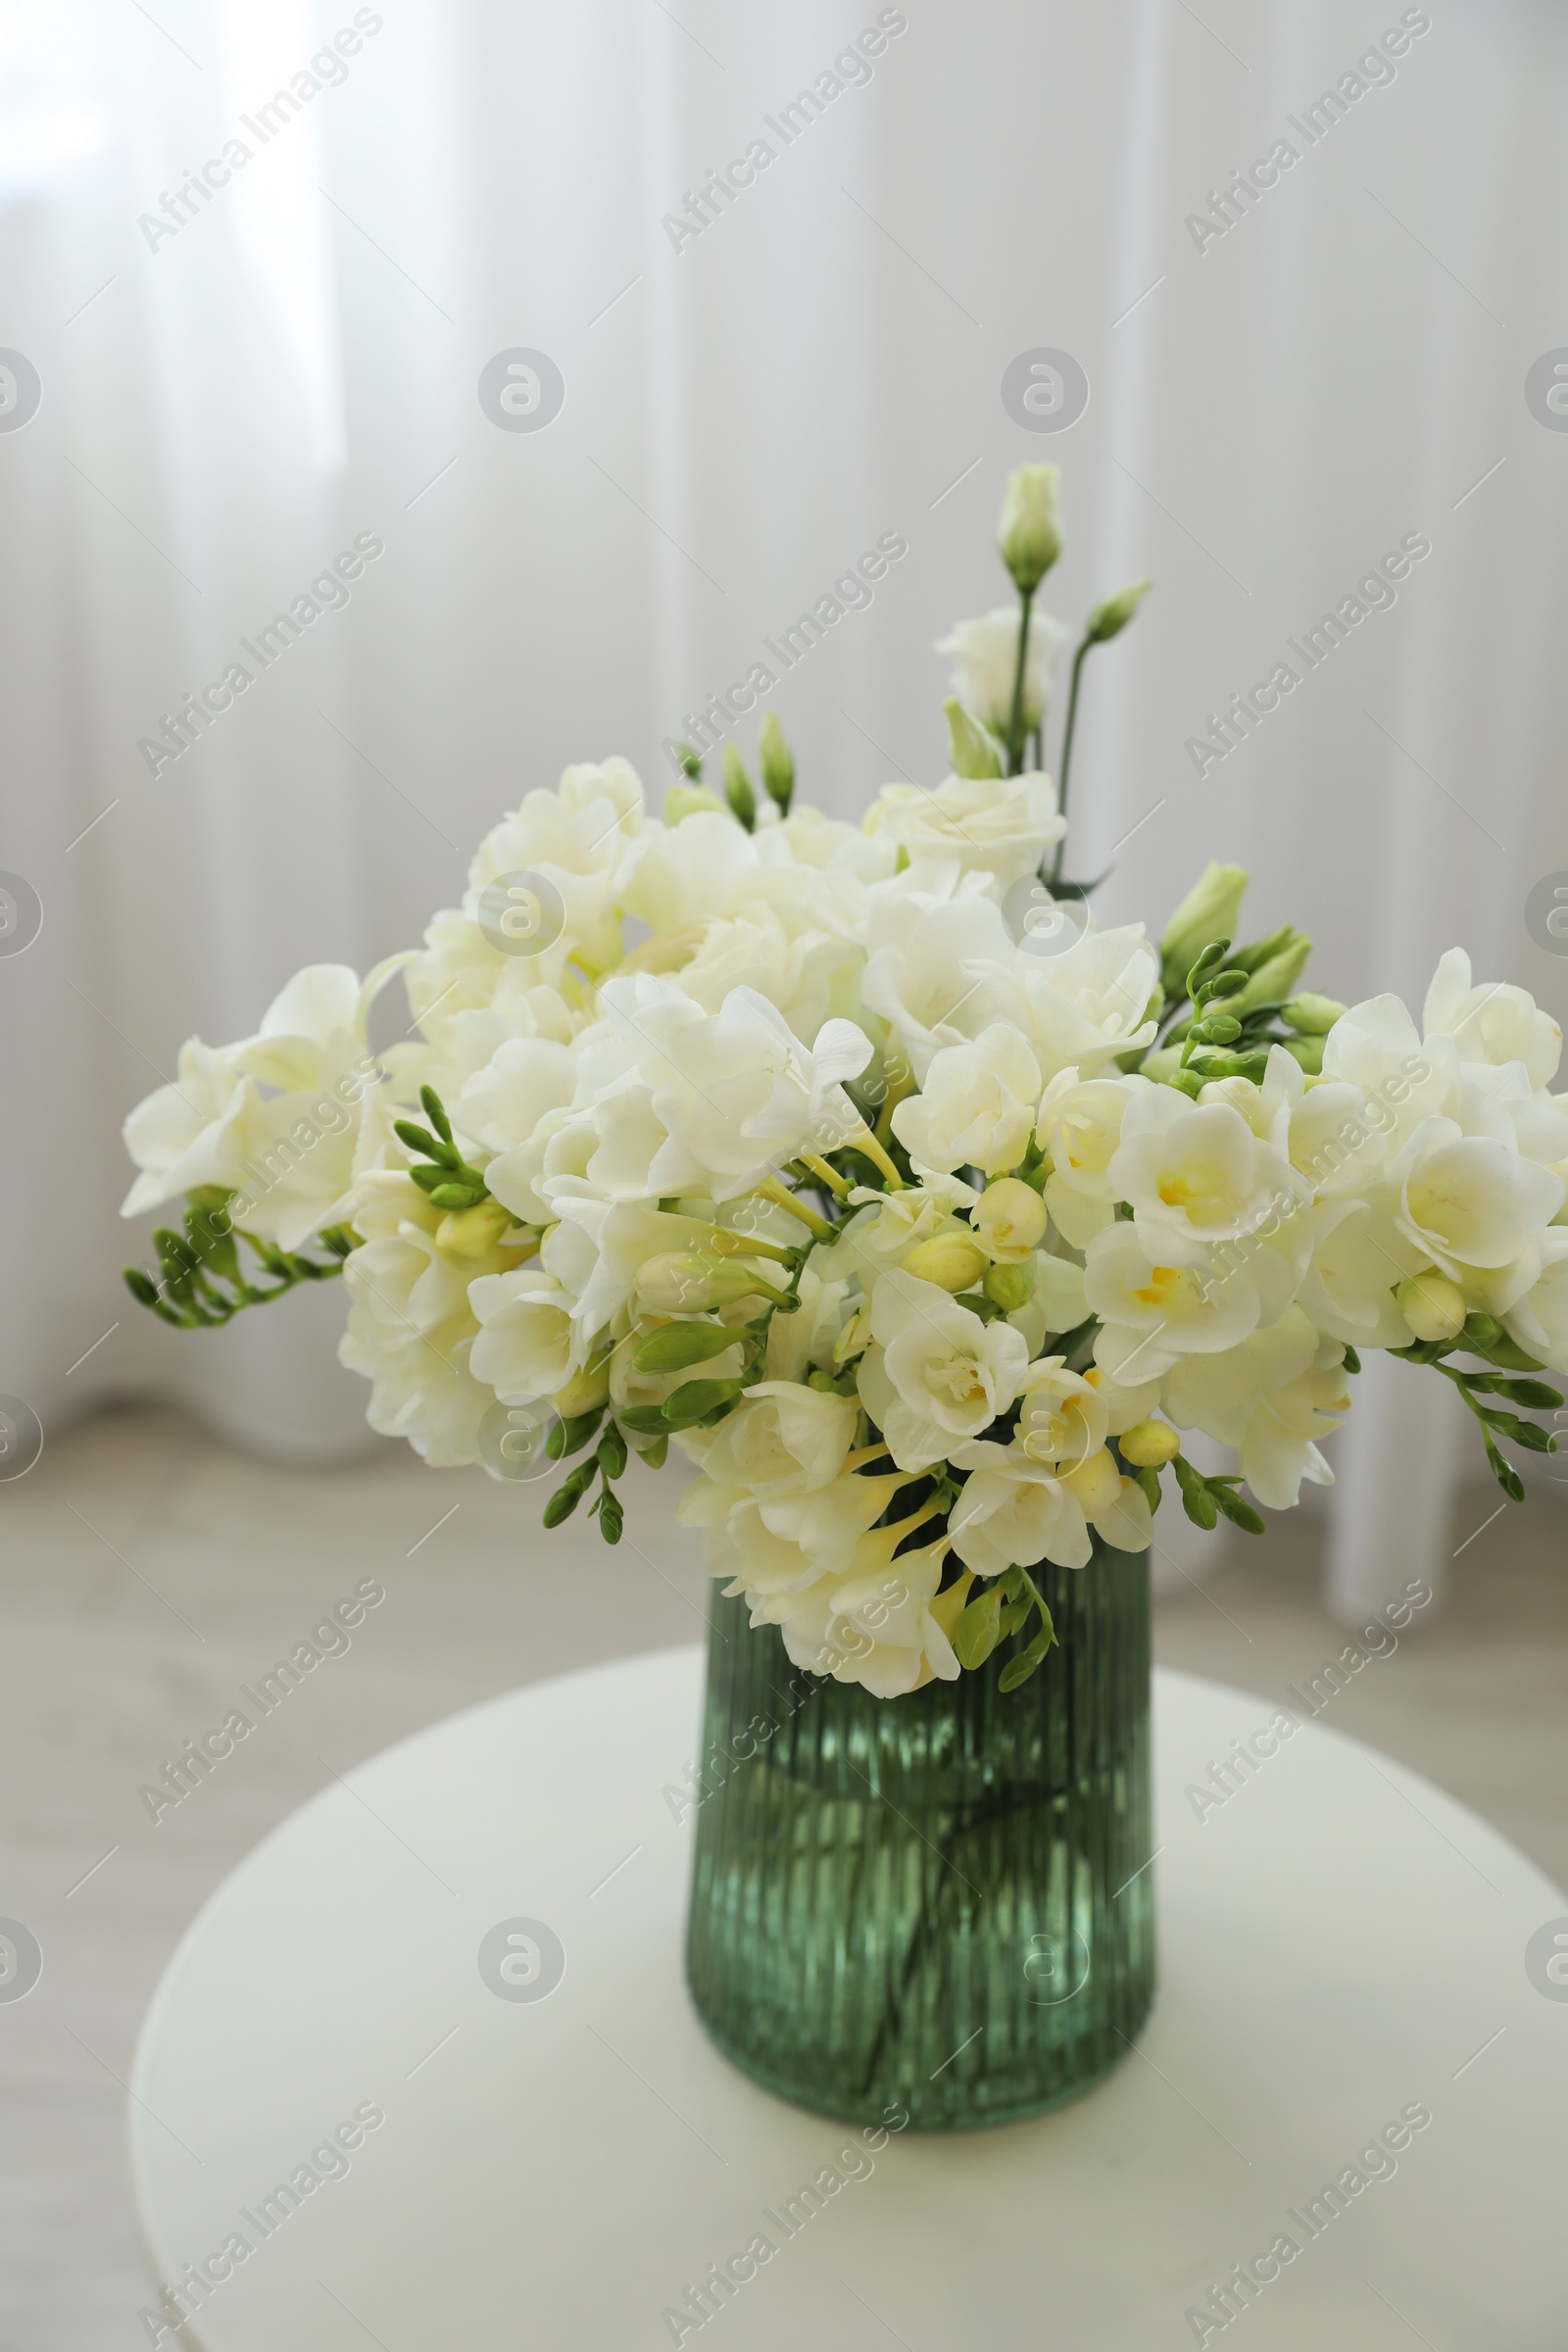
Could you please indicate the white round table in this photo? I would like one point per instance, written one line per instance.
(1341, 1947)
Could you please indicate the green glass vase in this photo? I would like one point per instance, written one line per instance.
(938, 1903)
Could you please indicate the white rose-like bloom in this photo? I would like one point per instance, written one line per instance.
(985, 663)
(580, 838)
(875, 1628)
(1082, 1007)
(797, 973)
(525, 1346)
(724, 1098)
(977, 1106)
(1196, 1174)
(409, 1331)
(502, 1104)
(1493, 1024)
(1269, 1398)
(997, 827)
(938, 970)
(1470, 1201)
(937, 1373)
(781, 1439)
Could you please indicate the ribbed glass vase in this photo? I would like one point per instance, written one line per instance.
(936, 1902)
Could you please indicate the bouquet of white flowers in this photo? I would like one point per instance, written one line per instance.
(923, 1213)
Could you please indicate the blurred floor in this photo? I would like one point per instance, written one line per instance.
(150, 1570)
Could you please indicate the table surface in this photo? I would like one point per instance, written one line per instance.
(1339, 1942)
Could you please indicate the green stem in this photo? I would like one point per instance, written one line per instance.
(1066, 753)
(1015, 726)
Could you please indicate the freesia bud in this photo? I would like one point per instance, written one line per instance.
(1149, 1445)
(690, 1282)
(1009, 1220)
(777, 761)
(584, 1393)
(951, 1260)
(1010, 1287)
(1276, 975)
(689, 800)
(1210, 910)
(738, 788)
(1108, 619)
(1431, 1305)
(1312, 1016)
(974, 753)
(1096, 1482)
(1029, 535)
(473, 1232)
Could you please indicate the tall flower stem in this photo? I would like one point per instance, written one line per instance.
(1015, 726)
(1066, 752)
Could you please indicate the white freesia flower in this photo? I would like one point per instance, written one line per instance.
(985, 663)
(1197, 1173)
(1270, 1398)
(939, 971)
(977, 1107)
(937, 1373)
(875, 1628)
(712, 1101)
(188, 1133)
(1493, 1024)
(1539, 1321)
(526, 1346)
(781, 1439)
(1082, 1007)
(1079, 1127)
(411, 1329)
(1469, 1201)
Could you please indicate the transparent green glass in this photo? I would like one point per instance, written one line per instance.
(939, 1903)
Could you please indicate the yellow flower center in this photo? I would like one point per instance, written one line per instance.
(1162, 1283)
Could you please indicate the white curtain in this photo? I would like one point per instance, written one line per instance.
(747, 409)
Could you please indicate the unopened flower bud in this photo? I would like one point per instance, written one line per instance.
(1096, 1482)
(584, 1393)
(1149, 1445)
(473, 1232)
(1009, 1286)
(690, 800)
(738, 788)
(1312, 1016)
(1009, 1220)
(1108, 619)
(951, 1260)
(1276, 975)
(1210, 910)
(1431, 1305)
(1029, 535)
(973, 751)
(777, 761)
(691, 1281)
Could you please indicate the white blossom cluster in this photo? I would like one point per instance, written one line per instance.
(923, 1212)
(831, 1155)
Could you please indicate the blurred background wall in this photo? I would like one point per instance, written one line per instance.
(1283, 385)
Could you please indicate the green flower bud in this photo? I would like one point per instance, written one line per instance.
(1108, 619)
(690, 763)
(1208, 911)
(777, 761)
(1010, 1286)
(1277, 976)
(738, 788)
(1308, 1052)
(692, 1281)
(1313, 1016)
(584, 1393)
(974, 753)
(1029, 534)
(687, 799)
